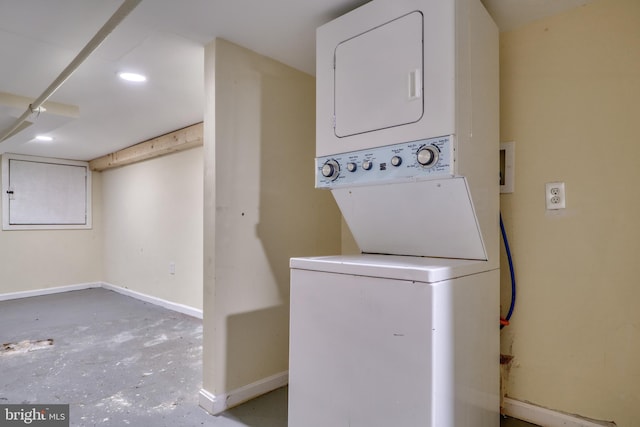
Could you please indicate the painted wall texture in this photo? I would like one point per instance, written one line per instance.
(570, 91)
(40, 259)
(260, 209)
(153, 217)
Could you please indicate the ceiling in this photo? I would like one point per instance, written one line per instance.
(94, 113)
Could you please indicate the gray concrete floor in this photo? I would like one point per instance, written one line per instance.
(117, 361)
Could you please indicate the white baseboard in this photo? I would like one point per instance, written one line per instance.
(48, 291)
(216, 404)
(546, 417)
(180, 308)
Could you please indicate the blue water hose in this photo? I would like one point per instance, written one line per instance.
(511, 271)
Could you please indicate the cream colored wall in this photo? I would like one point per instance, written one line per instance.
(348, 242)
(39, 259)
(261, 208)
(152, 217)
(570, 98)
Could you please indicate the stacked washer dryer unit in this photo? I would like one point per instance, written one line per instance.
(406, 333)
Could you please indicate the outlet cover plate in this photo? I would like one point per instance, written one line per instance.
(555, 195)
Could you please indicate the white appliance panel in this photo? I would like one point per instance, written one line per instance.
(433, 218)
(391, 163)
(373, 352)
(378, 77)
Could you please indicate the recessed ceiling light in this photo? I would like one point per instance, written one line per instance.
(44, 138)
(132, 77)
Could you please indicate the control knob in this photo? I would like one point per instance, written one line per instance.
(396, 161)
(331, 169)
(427, 155)
(352, 167)
(367, 165)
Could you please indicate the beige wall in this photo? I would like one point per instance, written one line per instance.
(261, 208)
(39, 259)
(570, 98)
(348, 242)
(153, 217)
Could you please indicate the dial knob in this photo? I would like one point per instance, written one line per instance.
(396, 161)
(367, 165)
(352, 167)
(331, 169)
(427, 155)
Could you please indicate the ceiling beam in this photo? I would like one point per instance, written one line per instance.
(180, 140)
(18, 102)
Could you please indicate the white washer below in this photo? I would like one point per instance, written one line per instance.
(383, 340)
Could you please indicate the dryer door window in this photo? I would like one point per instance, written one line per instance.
(378, 77)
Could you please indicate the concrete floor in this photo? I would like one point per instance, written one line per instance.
(117, 361)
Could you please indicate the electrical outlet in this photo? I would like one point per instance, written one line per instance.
(555, 195)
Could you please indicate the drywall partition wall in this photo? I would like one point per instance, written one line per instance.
(39, 259)
(261, 208)
(153, 227)
(570, 86)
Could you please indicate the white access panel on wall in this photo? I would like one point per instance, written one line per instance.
(45, 193)
(378, 77)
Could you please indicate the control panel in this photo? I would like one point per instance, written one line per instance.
(408, 161)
